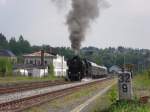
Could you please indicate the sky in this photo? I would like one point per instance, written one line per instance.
(124, 23)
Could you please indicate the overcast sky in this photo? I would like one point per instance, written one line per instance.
(125, 23)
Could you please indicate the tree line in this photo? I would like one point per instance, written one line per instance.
(108, 57)
(18, 47)
(139, 58)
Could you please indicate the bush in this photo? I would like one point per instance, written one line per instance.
(128, 106)
(113, 95)
(5, 66)
(51, 69)
(148, 72)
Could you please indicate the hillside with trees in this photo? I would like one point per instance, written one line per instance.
(140, 58)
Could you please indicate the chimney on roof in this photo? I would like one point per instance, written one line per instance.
(52, 51)
(42, 57)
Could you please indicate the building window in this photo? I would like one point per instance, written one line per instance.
(45, 62)
(39, 62)
(35, 62)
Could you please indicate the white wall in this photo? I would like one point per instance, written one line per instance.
(21, 72)
(60, 66)
(39, 72)
(35, 72)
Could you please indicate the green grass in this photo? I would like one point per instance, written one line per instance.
(141, 87)
(142, 81)
(106, 104)
(125, 106)
(23, 79)
(77, 97)
(105, 101)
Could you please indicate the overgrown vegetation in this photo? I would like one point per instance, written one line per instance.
(142, 80)
(113, 95)
(125, 106)
(141, 87)
(5, 67)
(22, 79)
(51, 69)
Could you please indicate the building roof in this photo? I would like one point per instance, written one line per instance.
(95, 65)
(38, 54)
(6, 53)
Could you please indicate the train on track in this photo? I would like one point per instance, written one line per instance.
(79, 68)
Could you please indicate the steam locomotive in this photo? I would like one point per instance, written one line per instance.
(79, 68)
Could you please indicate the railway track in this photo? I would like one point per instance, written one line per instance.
(5, 89)
(24, 103)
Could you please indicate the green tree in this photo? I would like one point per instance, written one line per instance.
(5, 67)
(24, 45)
(19, 47)
(13, 46)
(3, 42)
(51, 69)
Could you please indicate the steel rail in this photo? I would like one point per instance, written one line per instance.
(30, 86)
(22, 104)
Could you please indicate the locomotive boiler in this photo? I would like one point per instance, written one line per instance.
(79, 68)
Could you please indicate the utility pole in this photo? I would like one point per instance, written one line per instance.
(62, 66)
(124, 63)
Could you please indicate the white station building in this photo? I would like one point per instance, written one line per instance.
(60, 66)
(33, 65)
(35, 58)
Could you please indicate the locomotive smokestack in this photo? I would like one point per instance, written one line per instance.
(42, 57)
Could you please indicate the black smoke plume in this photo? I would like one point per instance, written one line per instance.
(82, 13)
